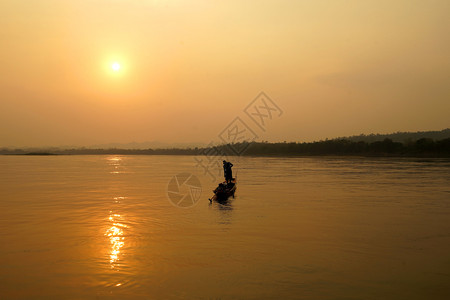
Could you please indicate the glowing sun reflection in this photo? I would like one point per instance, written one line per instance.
(116, 162)
(116, 238)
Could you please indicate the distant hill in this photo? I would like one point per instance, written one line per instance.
(401, 137)
(416, 144)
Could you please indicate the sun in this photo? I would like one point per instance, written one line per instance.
(115, 66)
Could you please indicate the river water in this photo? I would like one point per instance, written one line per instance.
(111, 227)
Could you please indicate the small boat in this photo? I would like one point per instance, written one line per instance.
(224, 191)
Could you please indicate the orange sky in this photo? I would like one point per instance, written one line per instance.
(188, 68)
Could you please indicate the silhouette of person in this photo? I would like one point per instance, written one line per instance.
(228, 173)
(225, 164)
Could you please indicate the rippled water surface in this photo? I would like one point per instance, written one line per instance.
(102, 227)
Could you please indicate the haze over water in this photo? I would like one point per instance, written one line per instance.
(102, 227)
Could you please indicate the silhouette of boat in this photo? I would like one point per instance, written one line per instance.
(224, 191)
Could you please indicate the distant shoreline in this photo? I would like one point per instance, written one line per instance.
(424, 147)
(268, 156)
(398, 144)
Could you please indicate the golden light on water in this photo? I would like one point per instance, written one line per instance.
(115, 161)
(116, 237)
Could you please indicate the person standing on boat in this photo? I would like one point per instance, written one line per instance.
(225, 164)
(228, 173)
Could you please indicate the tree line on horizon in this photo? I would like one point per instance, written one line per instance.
(387, 147)
(421, 143)
(402, 137)
(421, 147)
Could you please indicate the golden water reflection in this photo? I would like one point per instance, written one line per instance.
(115, 161)
(115, 233)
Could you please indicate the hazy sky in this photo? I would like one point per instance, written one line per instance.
(188, 68)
